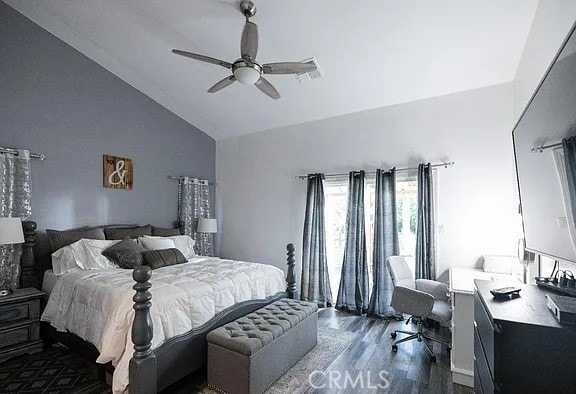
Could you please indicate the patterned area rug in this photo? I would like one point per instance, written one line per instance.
(331, 343)
(56, 370)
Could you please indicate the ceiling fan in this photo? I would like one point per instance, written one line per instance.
(246, 70)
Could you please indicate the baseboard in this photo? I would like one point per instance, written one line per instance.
(462, 376)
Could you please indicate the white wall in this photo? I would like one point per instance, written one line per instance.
(261, 204)
(552, 22)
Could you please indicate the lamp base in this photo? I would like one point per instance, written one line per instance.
(5, 292)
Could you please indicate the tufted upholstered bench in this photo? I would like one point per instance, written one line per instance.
(251, 353)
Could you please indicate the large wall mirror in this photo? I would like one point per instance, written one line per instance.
(547, 189)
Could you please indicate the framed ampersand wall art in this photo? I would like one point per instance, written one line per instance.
(118, 172)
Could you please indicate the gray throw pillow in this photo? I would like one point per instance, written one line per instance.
(59, 239)
(126, 253)
(165, 232)
(123, 232)
(163, 258)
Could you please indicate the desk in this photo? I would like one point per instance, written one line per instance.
(461, 286)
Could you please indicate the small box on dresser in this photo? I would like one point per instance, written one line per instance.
(20, 323)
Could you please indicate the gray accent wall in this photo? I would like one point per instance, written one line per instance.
(56, 101)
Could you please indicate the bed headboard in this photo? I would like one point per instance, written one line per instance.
(36, 252)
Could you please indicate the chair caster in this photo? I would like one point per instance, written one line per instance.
(393, 335)
(394, 348)
(432, 359)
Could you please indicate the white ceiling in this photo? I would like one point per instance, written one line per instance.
(374, 53)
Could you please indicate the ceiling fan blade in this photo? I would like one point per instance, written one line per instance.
(267, 88)
(288, 68)
(203, 58)
(249, 43)
(222, 84)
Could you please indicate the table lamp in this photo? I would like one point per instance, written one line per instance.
(10, 234)
(207, 227)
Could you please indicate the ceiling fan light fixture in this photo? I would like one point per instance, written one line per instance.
(247, 75)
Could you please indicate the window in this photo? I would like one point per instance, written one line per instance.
(336, 198)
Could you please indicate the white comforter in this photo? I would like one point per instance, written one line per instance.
(97, 304)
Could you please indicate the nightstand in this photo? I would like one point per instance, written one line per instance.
(20, 323)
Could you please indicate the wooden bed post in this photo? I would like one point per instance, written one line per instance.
(143, 369)
(290, 277)
(28, 272)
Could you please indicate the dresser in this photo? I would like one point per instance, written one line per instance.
(19, 323)
(461, 287)
(518, 345)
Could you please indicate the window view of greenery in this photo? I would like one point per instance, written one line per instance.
(336, 196)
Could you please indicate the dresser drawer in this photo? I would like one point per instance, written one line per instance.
(13, 313)
(18, 335)
(481, 370)
(484, 331)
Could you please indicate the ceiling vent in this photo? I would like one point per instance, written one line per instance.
(305, 77)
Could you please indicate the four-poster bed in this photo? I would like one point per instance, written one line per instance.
(150, 370)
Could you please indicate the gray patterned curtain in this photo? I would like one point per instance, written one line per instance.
(385, 245)
(194, 203)
(569, 148)
(353, 290)
(315, 286)
(14, 202)
(425, 237)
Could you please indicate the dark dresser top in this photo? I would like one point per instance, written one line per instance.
(19, 295)
(529, 308)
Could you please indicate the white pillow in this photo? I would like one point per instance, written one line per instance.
(184, 243)
(91, 255)
(500, 264)
(157, 243)
(84, 254)
(63, 260)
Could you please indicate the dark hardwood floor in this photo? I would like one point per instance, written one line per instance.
(373, 367)
(368, 365)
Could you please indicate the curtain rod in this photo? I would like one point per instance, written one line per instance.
(542, 148)
(177, 178)
(15, 152)
(445, 165)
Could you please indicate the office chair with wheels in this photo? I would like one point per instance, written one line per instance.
(422, 299)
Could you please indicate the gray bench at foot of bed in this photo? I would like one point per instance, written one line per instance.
(249, 354)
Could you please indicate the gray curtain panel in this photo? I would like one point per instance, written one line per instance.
(425, 237)
(15, 201)
(194, 203)
(353, 290)
(315, 286)
(385, 245)
(569, 148)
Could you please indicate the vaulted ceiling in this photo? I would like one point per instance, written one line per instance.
(373, 53)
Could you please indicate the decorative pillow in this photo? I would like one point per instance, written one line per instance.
(156, 243)
(126, 253)
(60, 239)
(163, 258)
(133, 232)
(184, 243)
(165, 232)
(83, 254)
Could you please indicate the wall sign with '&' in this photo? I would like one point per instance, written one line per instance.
(118, 172)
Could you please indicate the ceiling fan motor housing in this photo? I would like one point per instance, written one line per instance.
(246, 72)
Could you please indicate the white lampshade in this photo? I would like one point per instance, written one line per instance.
(207, 225)
(247, 75)
(11, 231)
